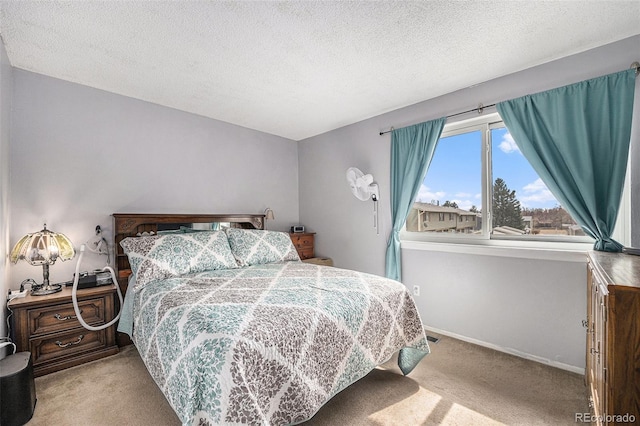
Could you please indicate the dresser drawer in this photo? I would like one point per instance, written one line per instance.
(62, 345)
(50, 319)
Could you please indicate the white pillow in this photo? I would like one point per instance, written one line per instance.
(163, 256)
(255, 247)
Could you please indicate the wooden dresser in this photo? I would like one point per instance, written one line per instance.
(304, 243)
(47, 327)
(613, 336)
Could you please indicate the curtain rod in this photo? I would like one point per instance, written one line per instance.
(480, 108)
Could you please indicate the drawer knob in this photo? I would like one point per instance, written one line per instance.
(68, 317)
(64, 345)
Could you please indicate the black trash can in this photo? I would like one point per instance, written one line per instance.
(17, 388)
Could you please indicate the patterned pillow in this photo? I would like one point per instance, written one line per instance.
(255, 247)
(163, 256)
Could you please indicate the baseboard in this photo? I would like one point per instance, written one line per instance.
(509, 351)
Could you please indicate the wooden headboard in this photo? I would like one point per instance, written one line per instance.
(131, 224)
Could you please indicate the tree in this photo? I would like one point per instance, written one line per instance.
(450, 204)
(506, 207)
(473, 209)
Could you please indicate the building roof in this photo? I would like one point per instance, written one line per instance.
(507, 230)
(428, 207)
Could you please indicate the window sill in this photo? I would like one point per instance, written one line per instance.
(566, 252)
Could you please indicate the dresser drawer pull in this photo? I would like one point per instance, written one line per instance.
(68, 317)
(64, 345)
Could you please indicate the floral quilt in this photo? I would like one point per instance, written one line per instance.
(271, 343)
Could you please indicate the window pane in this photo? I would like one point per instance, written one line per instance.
(450, 197)
(521, 202)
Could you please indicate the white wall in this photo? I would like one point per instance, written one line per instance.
(79, 154)
(530, 307)
(6, 80)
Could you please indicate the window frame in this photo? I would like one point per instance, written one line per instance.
(503, 244)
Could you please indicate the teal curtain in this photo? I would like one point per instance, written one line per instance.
(577, 139)
(411, 152)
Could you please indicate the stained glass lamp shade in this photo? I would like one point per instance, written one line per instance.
(43, 248)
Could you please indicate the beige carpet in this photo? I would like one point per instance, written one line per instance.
(457, 384)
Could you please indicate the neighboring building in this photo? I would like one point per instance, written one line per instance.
(427, 217)
(573, 229)
(507, 230)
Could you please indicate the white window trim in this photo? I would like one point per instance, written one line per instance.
(558, 248)
(568, 252)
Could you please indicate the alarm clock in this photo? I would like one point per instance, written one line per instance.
(297, 229)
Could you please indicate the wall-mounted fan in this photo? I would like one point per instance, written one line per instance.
(363, 188)
(362, 185)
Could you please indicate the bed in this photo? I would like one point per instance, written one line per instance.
(235, 329)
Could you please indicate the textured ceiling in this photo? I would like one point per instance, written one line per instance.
(300, 68)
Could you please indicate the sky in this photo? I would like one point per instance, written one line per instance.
(456, 167)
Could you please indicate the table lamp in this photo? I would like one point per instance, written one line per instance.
(43, 248)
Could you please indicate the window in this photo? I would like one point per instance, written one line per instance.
(520, 200)
(453, 185)
(480, 180)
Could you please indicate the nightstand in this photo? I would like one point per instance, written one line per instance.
(303, 242)
(47, 327)
(325, 261)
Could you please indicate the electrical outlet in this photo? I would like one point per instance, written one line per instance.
(416, 290)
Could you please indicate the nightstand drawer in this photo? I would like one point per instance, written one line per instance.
(306, 253)
(63, 317)
(304, 244)
(65, 344)
(47, 327)
(304, 241)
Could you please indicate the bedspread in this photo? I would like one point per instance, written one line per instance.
(270, 344)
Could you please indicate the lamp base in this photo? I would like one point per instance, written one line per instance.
(47, 289)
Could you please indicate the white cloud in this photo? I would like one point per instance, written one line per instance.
(508, 145)
(535, 186)
(462, 195)
(536, 193)
(425, 195)
(465, 204)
